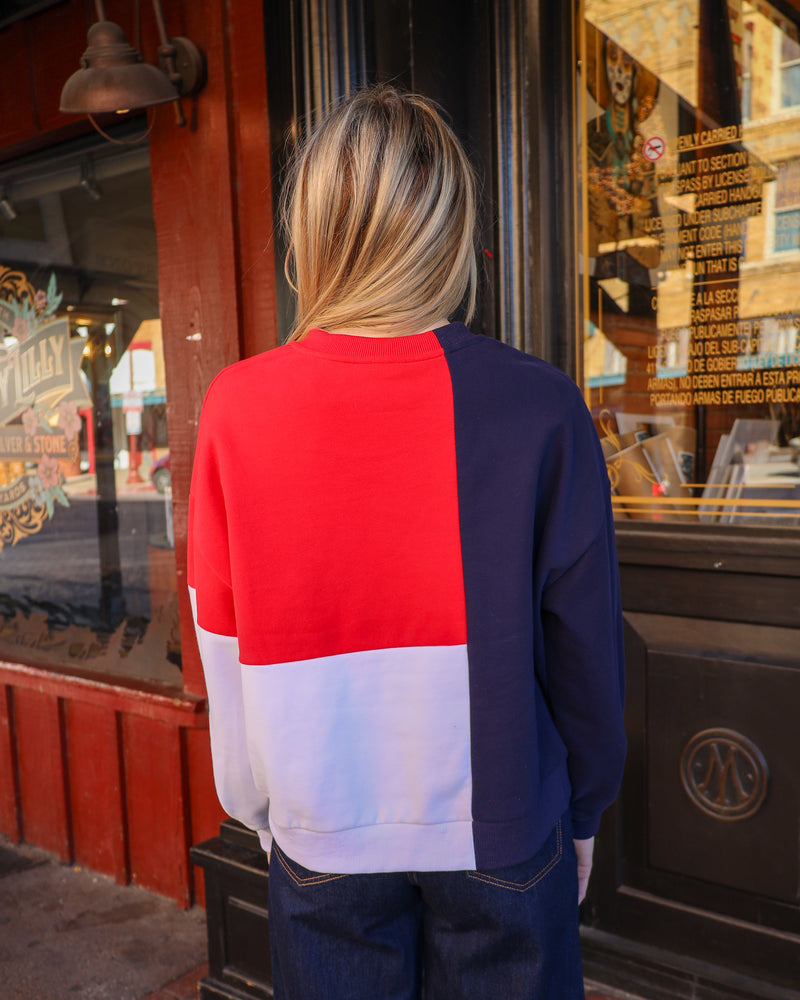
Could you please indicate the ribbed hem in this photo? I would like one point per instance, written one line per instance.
(386, 847)
(347, 347)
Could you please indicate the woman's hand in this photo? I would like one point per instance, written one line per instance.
(584, 849)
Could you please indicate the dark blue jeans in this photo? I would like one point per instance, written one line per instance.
(505, 934)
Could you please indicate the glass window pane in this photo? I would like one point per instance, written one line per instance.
(790, 86)
(87, 568)
(688, 247)
(790, 50)
(787, 230)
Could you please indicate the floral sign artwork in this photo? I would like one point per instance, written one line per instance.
(41, 389)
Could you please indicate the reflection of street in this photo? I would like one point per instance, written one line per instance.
(86, 485)
(61, 606)
(57, 572)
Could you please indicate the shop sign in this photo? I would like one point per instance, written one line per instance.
(41, 389)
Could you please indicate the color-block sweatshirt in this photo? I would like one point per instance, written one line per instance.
(404, 579)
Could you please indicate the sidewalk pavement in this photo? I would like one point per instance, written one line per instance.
(67, 932)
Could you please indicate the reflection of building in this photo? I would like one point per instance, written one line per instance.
(771, 112)
(138, 385)
(699, 329)
(769, 133)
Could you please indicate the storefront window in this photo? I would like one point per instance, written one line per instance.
(690, 256)
(87, 567)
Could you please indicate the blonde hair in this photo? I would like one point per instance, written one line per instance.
(379, 211)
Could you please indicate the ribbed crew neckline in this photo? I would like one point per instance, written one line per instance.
(349, 347)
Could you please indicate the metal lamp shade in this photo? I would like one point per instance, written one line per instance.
(113, 77)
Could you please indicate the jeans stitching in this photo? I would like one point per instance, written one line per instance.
(516, 887)
(314, 880)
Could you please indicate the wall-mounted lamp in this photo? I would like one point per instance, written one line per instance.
(114, 78)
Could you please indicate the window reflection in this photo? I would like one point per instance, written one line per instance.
(690, 240)
(789, 72)
(87, 570)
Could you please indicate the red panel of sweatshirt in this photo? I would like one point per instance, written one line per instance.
(339, 477)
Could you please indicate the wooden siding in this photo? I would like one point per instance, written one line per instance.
(213, 210)
(115, 779)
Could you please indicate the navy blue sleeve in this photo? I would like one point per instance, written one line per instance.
(581, 656)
